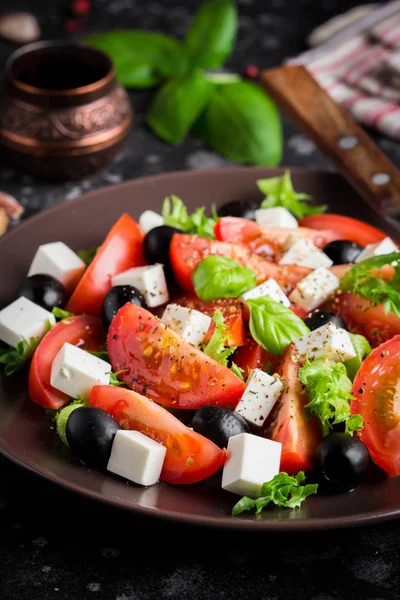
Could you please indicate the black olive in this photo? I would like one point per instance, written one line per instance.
(342, 252)
(246, 209)
(156, 244)
(321, 317)
(44, 290)
(218, 424)
(340, 462)
(117, 297)
(90, 433)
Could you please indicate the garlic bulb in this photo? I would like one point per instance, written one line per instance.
(19, 27)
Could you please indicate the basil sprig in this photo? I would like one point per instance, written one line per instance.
(274, 326)
(220, 277)
(363, 280)
(233, 116)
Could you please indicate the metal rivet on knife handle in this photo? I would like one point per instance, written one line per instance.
(381, 179)
(348, 142)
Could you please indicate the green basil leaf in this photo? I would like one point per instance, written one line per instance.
(212, 34)
(274, 326)
(362, 349)
(177, 105)
(175, 214)
(242, 123)
(220, 277)
(142, 58)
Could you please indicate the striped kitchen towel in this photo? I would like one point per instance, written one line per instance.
(363, 76)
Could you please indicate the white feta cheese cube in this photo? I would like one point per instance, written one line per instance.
(150, 281)
(276, 217)
(314, 289)
(136, 457)
(328, 341)
(261, 393)
(149, 220)
(251, 461)
(270, 289)
(59, 261)
(304, 254)
(74, 371)
(23, 319)
(386, 246)
(192, 325)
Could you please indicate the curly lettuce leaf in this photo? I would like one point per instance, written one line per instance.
(175, 214)
(329, 393)
(279, 191)
(283, 490)
(367, 279)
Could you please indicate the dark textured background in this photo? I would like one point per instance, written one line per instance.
(55, 545)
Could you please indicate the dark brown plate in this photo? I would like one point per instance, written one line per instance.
(26, 436)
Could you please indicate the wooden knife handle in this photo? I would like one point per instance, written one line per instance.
(335, 133)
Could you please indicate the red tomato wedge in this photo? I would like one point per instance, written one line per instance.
(83, 331)
(158, 363)
(361, 317)
(121, 250)
(269, 242)
(231, 310)
(187, 251)
(190, 456)
(287, 423)
(252, 356)
(346, 228)
(377, 391)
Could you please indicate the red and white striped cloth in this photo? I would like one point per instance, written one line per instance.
(363, 76)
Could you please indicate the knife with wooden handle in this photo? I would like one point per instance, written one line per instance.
(334, 132)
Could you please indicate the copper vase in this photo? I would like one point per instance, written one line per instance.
(63, 115)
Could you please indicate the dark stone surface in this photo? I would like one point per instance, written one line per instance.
(56, 545)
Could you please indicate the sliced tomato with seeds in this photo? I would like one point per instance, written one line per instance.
(231, 310)
(269, 242)
(187, 251)
(190, 457)
(287, 423)
(82, 330)
(121, 250)
(360, 316)
(157, 362)
(377, 398)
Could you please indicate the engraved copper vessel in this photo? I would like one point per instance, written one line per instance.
(63, 115)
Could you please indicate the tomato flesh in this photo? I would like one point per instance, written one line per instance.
(253, 356)
(270, 242)
(190, 457)
(231, 310)
(187, 251)
(346, 228)
(361, 317)
(377, 391)
(83, 331)
(121, 250)
(287, 423)
(158, 363)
